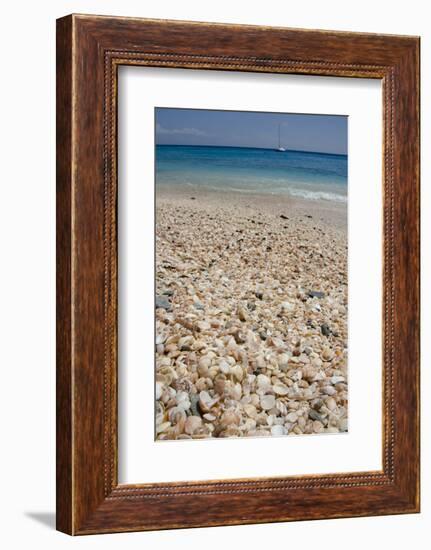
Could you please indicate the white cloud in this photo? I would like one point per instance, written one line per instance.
(180, 131)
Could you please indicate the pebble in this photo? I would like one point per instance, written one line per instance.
(326, 331)
(315, 294)
(162, 302)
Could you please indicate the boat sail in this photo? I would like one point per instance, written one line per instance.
(280, 148)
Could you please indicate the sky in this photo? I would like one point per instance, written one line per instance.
(320, 133)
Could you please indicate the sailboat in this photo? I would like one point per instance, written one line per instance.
(280, 148)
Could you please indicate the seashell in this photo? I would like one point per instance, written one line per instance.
(201, 384)
(238, 372)
(206, 402)
(331, 404)
(280, 389)
(343, 426)
(276, 342)
(317, 427)
(203, 326)
(327, 354)
(219, 386)
(159, 390)
(175, 414)
(160, 339)
(283, 360)
(288, 306)
(250, 410)
(193, 423)
(236, 392)
(198, 345)
(230, 417)
(249, 425)
(309, 372)
(260, 362)
(278, 430)
(267, 402)
(292, 417)
(171, 348)
(163, 427)
(263, 380)
(224, 367)
(204, 364)
(270, 419)
(183, 402)
(242, 314)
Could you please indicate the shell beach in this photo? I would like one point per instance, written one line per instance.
(251, 315)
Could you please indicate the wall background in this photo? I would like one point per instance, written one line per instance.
(27, 289)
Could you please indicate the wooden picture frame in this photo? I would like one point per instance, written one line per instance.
(89, 52)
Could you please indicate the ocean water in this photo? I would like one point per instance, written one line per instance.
(248, 170)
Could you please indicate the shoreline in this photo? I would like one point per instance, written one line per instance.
(332, 213)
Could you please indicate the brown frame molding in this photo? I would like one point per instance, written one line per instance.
(89, 51)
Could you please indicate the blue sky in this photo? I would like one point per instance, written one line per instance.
(322, 133)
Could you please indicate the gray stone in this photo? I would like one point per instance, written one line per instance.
(316, 294)
(314, 415)
(326, 331)
(162, 302)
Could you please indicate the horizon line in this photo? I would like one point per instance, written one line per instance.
(249, 147)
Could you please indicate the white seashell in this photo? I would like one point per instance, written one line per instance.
(263, 380)
(206, 402)
(292, 417)
(283, 360)
(278, 430)
(236, 392)
(160, 339)
(270, 420)
(331, 404)
(205, 361)
(280, 389)
(267, 402)
(175, 414)
(224, 367)
(159, 390)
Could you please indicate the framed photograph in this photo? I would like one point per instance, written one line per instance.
(237, 274)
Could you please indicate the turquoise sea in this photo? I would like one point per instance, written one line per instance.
(249, 170)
